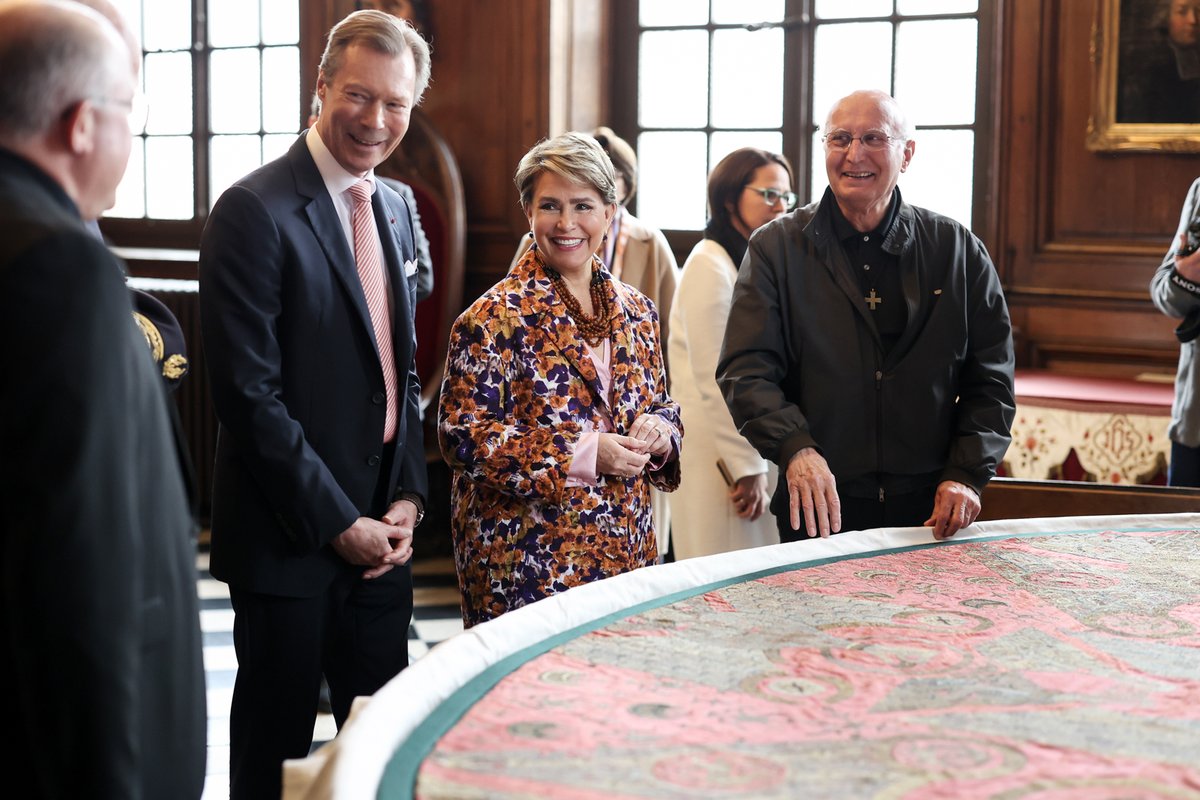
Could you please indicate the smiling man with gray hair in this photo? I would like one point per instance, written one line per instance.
(869, 350)
(308, 279)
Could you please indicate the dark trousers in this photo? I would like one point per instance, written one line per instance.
(859, 514)
(355, 632)
(1184, 469)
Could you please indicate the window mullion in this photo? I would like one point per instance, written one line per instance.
(201, 132)
(799, 117)
(708, 89)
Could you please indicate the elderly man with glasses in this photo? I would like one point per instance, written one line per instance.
(100, 631)
(869, 350)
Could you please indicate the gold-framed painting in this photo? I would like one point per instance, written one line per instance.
(1146, 67)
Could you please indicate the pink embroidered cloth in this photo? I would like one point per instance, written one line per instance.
(1041, 659)
(1042, 666)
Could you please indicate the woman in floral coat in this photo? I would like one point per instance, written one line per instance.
(554, 413)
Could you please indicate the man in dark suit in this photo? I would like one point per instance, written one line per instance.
(99, 626)
(306, 292)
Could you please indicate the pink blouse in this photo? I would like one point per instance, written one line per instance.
(583, 466)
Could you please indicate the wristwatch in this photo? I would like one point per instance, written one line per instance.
(416, 500)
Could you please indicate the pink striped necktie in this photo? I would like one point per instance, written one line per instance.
(369, 259)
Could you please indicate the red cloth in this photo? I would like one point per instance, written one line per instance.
(1044, 385)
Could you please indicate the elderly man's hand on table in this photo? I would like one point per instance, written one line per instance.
(955, 506)
(812, 488)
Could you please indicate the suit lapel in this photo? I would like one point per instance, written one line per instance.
(393, 234)
(328, 229)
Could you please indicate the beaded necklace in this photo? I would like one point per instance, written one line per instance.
(595, 329)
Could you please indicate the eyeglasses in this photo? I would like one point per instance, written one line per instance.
(872, 140)
(773, 196)
(136, 107)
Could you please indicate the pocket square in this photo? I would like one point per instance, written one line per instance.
(410, 268)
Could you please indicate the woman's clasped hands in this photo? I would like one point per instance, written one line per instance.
(625, 456)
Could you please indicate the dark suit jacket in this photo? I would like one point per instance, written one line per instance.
(296, 380)
(99, 629)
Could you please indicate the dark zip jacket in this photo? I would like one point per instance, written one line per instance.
(802, 364)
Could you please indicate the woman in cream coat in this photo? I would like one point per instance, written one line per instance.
(748, 188)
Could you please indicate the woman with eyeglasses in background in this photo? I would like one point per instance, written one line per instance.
(726, 485)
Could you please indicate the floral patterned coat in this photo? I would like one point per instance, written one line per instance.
(518, 390)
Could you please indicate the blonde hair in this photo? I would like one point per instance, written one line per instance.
(573, 156)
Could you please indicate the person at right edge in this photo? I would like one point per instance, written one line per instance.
(1175, 290)
(869, 350)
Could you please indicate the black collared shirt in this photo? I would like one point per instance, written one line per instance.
(877, 272)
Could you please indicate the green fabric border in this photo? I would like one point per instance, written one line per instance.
(400, 776)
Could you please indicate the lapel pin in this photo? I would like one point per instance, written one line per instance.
(937, 292)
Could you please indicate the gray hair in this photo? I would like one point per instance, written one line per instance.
(383, 33)
(53, 54)
(576, 157)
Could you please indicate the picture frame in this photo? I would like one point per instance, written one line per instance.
(1145, 98)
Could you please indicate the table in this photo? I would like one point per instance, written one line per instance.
(1100, 429)
(1059, 656)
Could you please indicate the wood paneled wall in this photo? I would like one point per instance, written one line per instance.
(490, 99)
(1081, 233)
